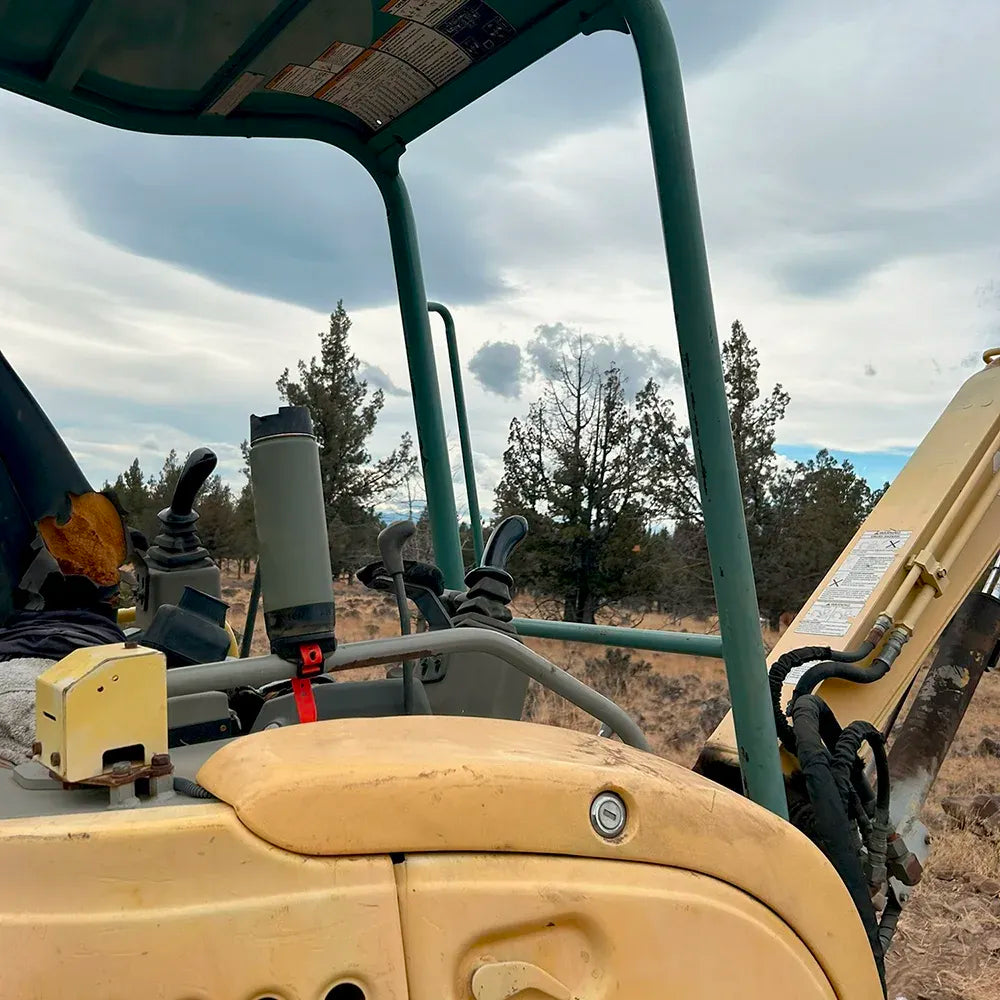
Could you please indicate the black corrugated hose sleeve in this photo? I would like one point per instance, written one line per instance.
(832, 825)
(890, 918)
(845, 759)
(787, 662)
(780, 669)
(185, 786)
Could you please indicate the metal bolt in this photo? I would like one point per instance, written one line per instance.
(160, 759)
(608, 814)
(121, 767)
(941, 573)
(54, 759)
(131, 644)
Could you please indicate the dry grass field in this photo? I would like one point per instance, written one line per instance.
(947, 946)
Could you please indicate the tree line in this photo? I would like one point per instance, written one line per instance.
(607, 481)
(604, 474)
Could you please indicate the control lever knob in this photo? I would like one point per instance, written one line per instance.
(506, 537)
(390, 545)
(198, 467)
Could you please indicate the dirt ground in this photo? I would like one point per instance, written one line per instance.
(947, 946)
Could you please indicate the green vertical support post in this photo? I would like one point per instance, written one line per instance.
(711, 435)
(475, 518)
(423, 380)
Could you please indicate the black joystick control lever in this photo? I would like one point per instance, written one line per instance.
(177, 560)
(199, 466)
(390, 547)
(177, 542)
(422, 583)
(505, 538)
(489, 584)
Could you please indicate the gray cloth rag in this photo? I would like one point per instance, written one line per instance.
(17, 707)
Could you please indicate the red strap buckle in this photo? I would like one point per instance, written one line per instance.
(310, 664)
(310, 659)
(305, 700)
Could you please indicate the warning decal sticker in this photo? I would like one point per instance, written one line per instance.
(303, 80)
(421, 11)
(337, 57)
(845, 596)
(377, 87)
(477, 27)
(473, 25)
(437, 57)
(243, 85)
(433, 41)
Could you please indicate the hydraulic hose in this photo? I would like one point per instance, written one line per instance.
(780, 669)
(890, 918)
(830, 816)
(185, 786)
(845, 670)
(845, 759)
(859, 795)
(794, 658)
(841, 812)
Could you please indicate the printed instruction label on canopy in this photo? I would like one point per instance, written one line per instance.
(421, 11)
(302, 80)
(426, 50)
(377, 88)
(431, 43)
(229, 100)
(337, 57)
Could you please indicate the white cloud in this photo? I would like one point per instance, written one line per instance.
(848, 160)
(849, 169)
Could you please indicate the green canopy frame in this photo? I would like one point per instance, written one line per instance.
(245, 68)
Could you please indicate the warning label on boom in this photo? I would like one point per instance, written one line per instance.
(845, 596)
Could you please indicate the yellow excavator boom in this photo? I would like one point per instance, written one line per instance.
(921, 551)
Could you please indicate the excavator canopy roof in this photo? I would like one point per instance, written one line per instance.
(366, 75)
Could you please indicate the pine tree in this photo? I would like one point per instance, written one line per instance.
(132, 493)
(574, 469)
(216, 518)
(344, 414)
(754, 425)
(815, 508)
(244, 531)
(754, 422)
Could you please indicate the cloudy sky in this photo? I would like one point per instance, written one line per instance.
(848, 155)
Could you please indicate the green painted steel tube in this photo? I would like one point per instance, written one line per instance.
(688, 643)
(711, 435)
(475, 518)
(427, 411)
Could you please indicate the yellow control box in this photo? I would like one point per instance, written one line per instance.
(100, 706)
